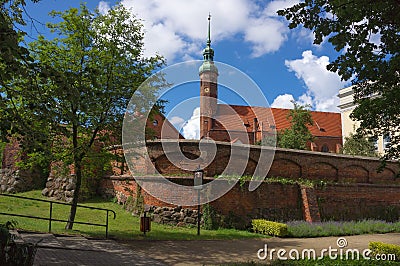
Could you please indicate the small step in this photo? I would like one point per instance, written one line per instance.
(43, 240)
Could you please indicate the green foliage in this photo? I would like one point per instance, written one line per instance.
(15, 64)
(358, 145)
(379, 248)
(232, 220)
(13, 55)
(135, 201)
(390, 213)
(297, 136)
(367, 37)
(333, 228)
(327, 261)
(5, 240)
(269, 228)
(2, 146)
(243, 180)
(83, 82)
(5, 235)
(11, 252)
(269, 140)
(297, 181)
(95, 166)
(210, 217)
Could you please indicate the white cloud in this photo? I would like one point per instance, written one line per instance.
(283, 101)
(266, 34)
(322, 85)
(286, 101)
(306, 36)
(191, 129)
(274, 6)
(103, 7)
(177, 122)
(305, 99)
(177, 29)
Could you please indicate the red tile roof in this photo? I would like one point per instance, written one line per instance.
(163, 128)
(236, 117)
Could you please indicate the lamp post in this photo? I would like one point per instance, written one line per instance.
(198, 182)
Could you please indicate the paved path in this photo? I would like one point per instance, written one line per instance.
(64, 250)
(67, 250)
(215, 252)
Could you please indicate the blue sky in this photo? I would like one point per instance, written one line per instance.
(246, 34)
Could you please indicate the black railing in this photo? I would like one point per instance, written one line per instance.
(51, 219)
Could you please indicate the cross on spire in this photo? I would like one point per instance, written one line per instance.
(209, 30)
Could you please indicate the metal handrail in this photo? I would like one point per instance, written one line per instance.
(50, 219)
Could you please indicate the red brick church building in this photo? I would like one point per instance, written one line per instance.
(234, 123)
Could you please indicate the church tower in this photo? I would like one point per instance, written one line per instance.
(208, 73)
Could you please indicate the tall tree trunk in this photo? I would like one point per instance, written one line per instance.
(72, 213)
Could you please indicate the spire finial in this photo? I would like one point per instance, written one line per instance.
(208, 52)
(209, 30)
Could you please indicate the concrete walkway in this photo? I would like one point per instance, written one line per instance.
(215, 252)
(65, 250)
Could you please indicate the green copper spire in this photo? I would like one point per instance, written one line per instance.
(209, 31)
(208, 53)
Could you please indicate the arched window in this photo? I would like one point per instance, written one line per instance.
(325, 148)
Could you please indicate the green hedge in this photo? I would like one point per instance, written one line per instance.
(269, 228)
(383, 248)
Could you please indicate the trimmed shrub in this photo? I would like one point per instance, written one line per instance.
(269, 228)
(326, 261)
(379, 248)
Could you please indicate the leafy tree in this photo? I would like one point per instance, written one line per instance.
(16, 122)
(85, 79)
(297, 136)
(367, 35)
(357, 145)
(268, 140)
(14, 58)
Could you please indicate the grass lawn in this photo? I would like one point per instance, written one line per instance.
(125, 226)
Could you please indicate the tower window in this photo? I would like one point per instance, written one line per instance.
(155, 122)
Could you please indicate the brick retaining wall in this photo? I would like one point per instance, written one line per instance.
(286, 163)
(284, 202)
(359, 201)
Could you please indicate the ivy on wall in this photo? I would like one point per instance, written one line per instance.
(95, 166)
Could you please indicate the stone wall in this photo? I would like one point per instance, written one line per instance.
(174, 215)
(12, 178)
(60, 188)
(60, 184)
(13, 181)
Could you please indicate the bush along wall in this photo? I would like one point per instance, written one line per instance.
(60, 184)
(269, 228)
(20, 171)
